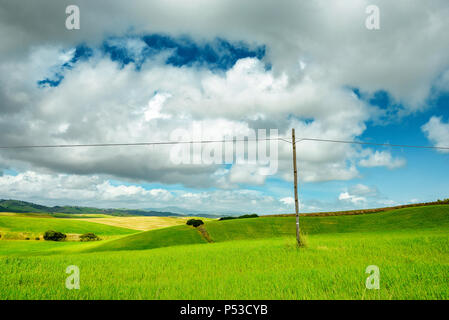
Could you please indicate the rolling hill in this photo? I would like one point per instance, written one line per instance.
(249, 259)
(400, 220)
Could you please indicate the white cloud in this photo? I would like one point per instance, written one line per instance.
(114, 107)
(382, 159)
(363, 196)
(246, 174)
(62, 189)
(437, 132)
(287, 200)
(363, 190)
(153, 111)
(345, 196)
(387, 202)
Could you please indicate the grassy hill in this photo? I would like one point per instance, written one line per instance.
(166, 237)
(416, 218)
(248, 259)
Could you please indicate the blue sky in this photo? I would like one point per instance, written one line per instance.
(217, 55)
(132, 86)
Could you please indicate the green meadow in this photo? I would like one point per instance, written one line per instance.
(30, 226)
(39, 225)
(252, 258)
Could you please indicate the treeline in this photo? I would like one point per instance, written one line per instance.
(239, 217)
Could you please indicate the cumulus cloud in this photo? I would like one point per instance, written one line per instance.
(363, 190)
(382, 159)
(154, 108)
(346, 196)
(362, 196)
(287, 205)
(287, 201)
(437, 131)
(100, 100)
(62, 189)
(246, 174)
(59, 187)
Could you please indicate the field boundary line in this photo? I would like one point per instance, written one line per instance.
(203, 232)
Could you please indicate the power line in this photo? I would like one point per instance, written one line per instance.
(373, 143)
(135, 144)
(216, 141)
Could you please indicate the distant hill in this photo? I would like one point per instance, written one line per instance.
(25, 207)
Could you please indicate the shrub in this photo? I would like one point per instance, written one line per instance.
(37, 238)
(54, 235)
(90, 236)
(194, 222)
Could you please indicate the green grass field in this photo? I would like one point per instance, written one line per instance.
(248, 259)
(21, 226)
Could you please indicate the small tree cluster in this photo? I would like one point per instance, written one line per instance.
(52, 235)
(90, 236)
(194, 222)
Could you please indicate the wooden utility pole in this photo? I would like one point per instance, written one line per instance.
(295, 177)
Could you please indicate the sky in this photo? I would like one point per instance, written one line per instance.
(140, 71)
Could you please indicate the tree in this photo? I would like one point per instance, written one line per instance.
(194, 222)
(52, 235)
